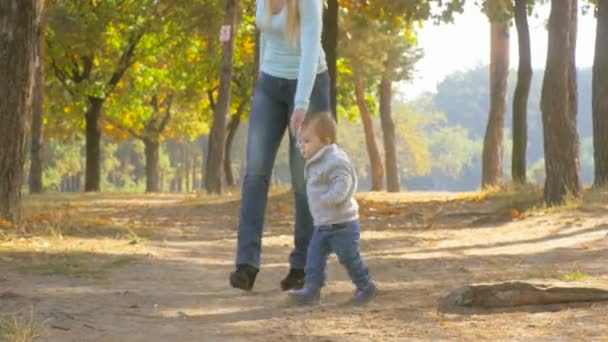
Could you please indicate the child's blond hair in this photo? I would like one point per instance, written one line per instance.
(321, 125)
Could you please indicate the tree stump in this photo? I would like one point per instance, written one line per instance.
(512, 294)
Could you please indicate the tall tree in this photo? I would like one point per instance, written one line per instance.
(360, 41)
(330, 45)
(91, 46)
(600, 96)
(19, 32)
(385, 92)
(493, 149)
(559, 120)
(246, 64)
(377, 170)
(398, 65)
(520, 97)
(35, 176)
(215, 154)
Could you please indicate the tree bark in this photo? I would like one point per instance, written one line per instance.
(559, 121)
(35, 176)
(93, 145)
(19, 30)
(330, 46)
(512, 294)
(204, 144)
(195, 184)
(388, 133)
(520, 97)
(600, 97)
(233, 125)
(493, 149)
(186, 165)
(376, 168)
(215, 155)
(151, 149)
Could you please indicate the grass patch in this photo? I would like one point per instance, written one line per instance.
(17, 328)
(573, 276)
(529, 199)
(75, 266)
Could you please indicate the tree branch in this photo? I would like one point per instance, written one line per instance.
(124, 63)
(211, 98)
(123, 128)
(167, 117)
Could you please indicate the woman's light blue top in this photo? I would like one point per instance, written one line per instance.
(301, 61)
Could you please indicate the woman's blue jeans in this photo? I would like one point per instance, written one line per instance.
(269, 118)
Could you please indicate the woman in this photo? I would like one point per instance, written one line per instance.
(293, 82)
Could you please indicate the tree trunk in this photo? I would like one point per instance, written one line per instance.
(195, 185)
(93, 145)
(215, 156)
(559, 124)
(187, 165)
(330, 45)
(493, 149)
(204, 144)
(162, 180)
(520, 98)
(377, 170)
(388, 133)
(35, 176)
(512, 294)
(600, 97)
(151, 149)
(19, 29)
(233, 125)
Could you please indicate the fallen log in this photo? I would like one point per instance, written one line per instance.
(511, 294)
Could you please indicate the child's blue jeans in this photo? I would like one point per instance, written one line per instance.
(343, 240)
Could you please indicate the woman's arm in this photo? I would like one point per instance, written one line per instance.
(311, 25)
(261, 41)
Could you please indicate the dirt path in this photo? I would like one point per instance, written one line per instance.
(163, 263)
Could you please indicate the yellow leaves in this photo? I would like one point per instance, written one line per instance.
(43, 217)
(380, 208)
(283, 208)
(67, 109)
(476, 197)
(4, 224)
(114, 132)
(100, 221)
(410, 35)
(517, 215)
(248, 47)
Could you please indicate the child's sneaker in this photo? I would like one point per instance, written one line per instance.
(365, 295)
(305, 296)
(244, 277)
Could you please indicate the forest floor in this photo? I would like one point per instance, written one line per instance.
(125, 267)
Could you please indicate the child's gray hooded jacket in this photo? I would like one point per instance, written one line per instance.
(331, 178)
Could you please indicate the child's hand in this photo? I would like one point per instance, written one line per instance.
(326, 204)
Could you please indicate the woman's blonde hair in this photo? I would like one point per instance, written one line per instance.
(292, 26)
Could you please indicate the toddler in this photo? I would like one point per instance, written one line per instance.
(331, 183)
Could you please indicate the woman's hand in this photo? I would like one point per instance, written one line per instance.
(297, 117)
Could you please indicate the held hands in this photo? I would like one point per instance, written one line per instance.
(297, 117)
(326, 204)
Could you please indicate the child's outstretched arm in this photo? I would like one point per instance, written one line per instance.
(339, 187)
